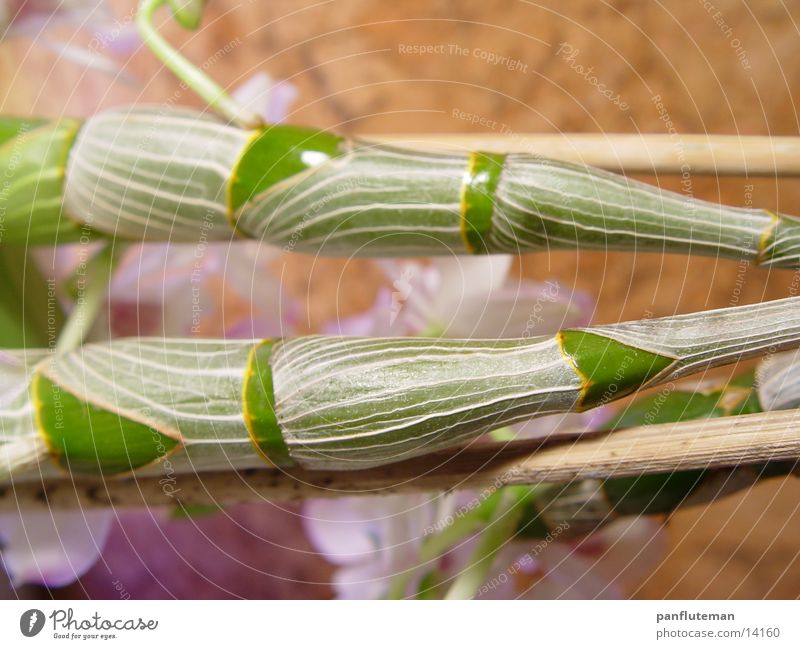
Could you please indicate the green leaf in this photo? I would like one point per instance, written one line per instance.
(609, 368)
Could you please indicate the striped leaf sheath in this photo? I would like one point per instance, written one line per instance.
(325, 402)
(169, 174)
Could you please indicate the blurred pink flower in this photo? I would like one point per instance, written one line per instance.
(96, 33)
(170, 290)
(375, 540)
(606, 564)
(266, 97)
(470, 297)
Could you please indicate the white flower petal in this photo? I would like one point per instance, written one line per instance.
(254, 93)
(464, 279)
(564, 424)
(340, 529)
(520, 310)
(374, 539)
(778, 381)
(360, 581)
(52, 548)
(180, 289)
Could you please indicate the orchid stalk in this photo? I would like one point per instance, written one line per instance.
(328, 402)
(156, 174)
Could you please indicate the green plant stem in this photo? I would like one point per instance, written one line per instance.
(499, 530)
(209, 90)
(79, 323)
(436, 544)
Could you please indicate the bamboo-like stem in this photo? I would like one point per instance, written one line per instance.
(711, 443)
(646, 153)
(316, 193)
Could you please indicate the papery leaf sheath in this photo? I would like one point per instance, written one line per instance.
(326, 402)
(163, 173)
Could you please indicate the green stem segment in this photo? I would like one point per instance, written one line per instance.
(168, 174)
(333, 403)
(498, 532)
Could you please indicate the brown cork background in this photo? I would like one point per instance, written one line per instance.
(348, 60)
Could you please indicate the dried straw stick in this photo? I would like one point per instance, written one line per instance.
(728, 441)
(752, 155)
